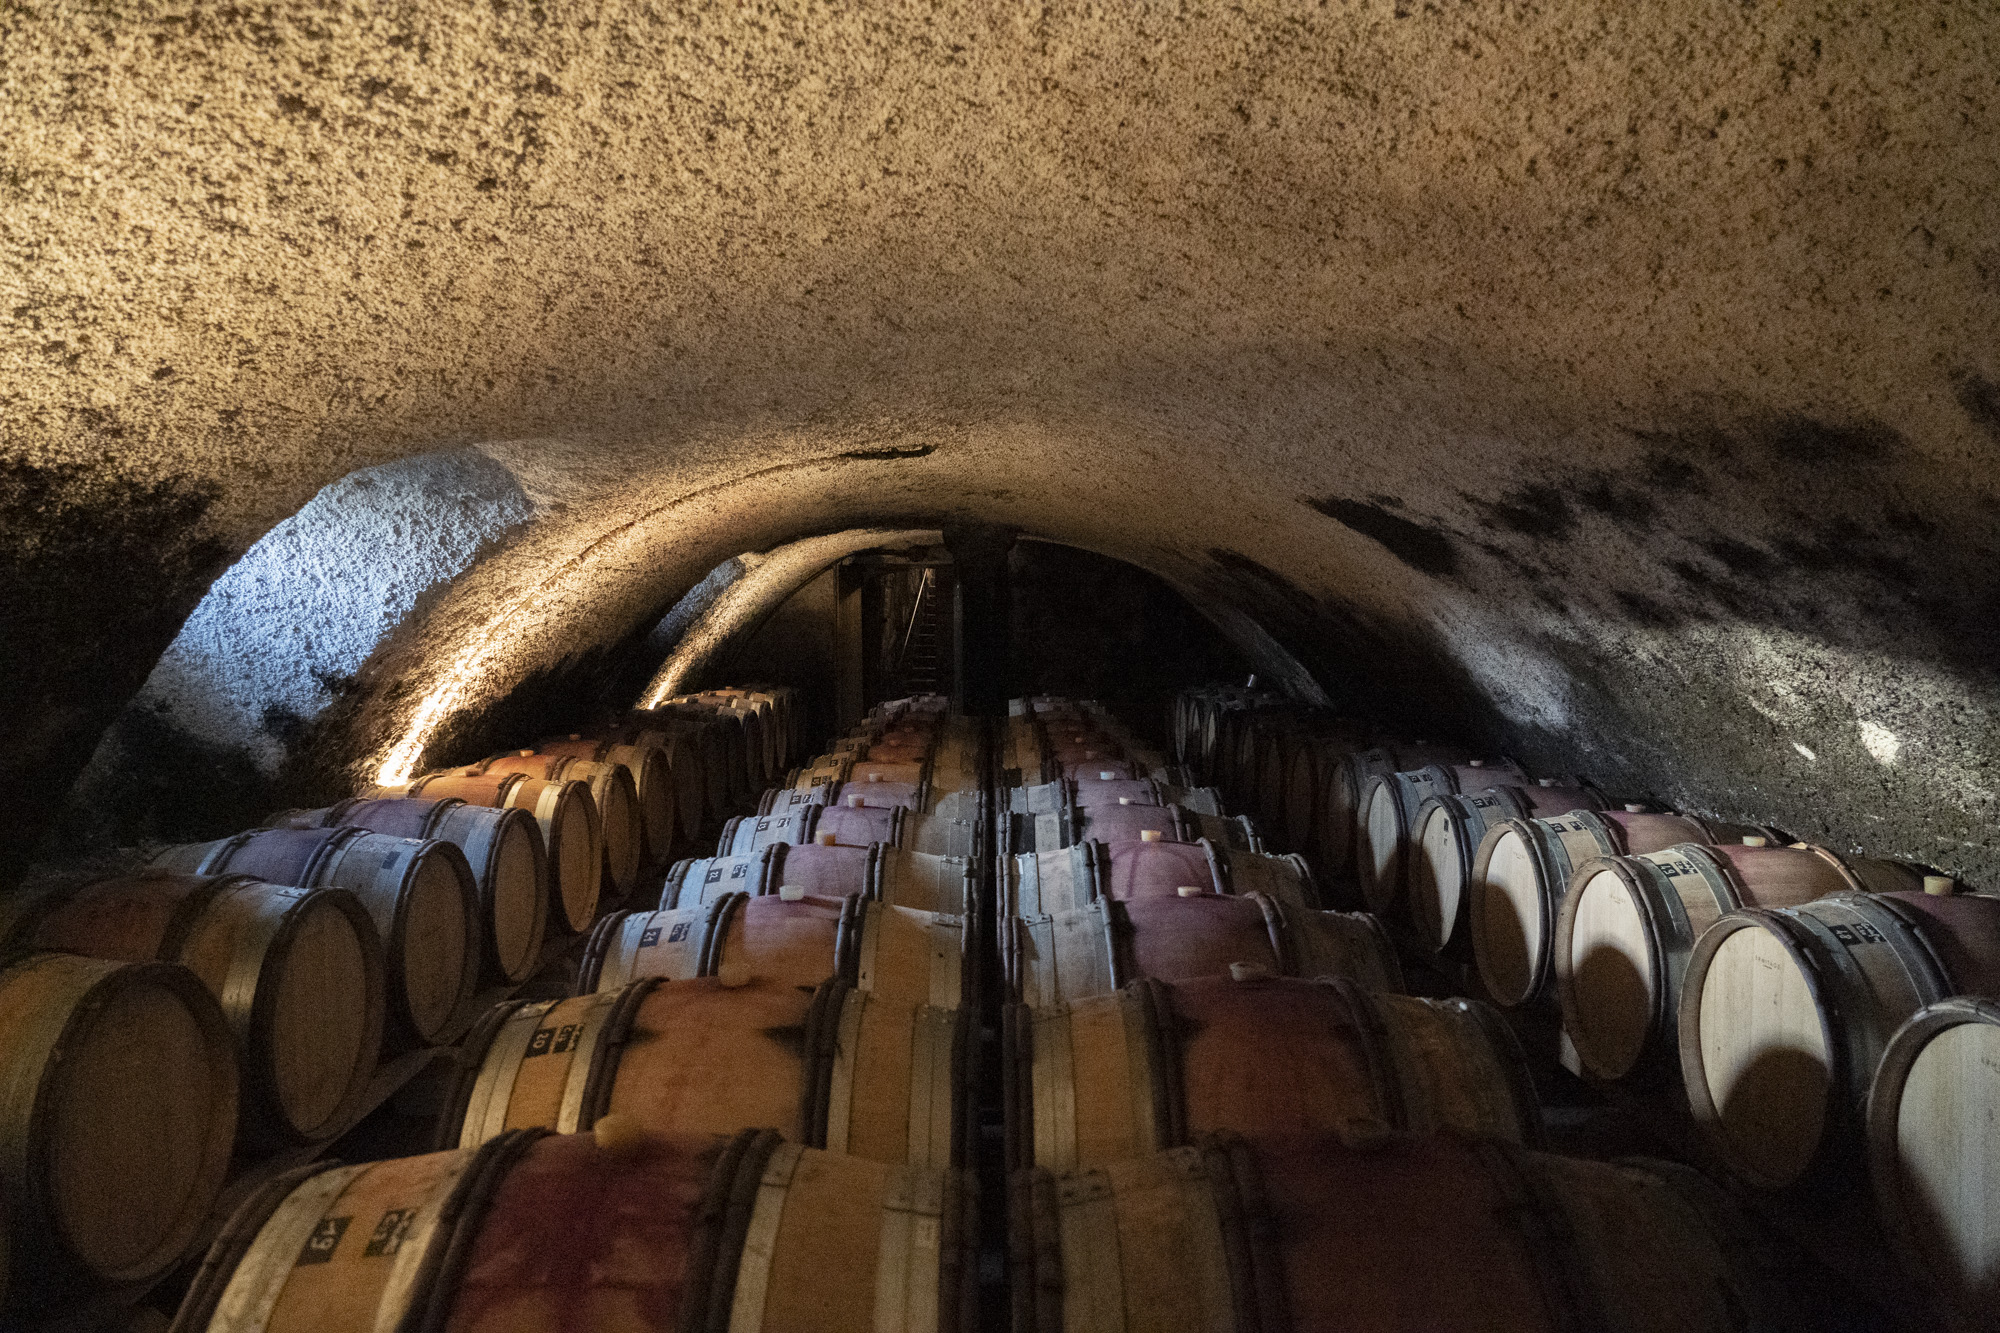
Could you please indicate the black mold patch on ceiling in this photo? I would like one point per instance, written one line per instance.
(890, 455)
(79, 547)
(1539, 511)
(1423, 549)
(1980, 397)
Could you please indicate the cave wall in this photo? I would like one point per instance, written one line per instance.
(1616, 385)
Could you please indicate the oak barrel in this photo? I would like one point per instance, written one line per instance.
(298, 973)
(838, 824)
(418, 892)
(1095, 950)
(116, 1119)
(901, 953)
(1934, 1150)
(566, 816)
(830, 1067)
(1392, 1236)
(1626, 929)
(621, 836)
(614, 1230)
(1785, 1016)
(503, 849)
(1444, 847)
(1523, 868)
(1389, 805)
(654, 788)
(1158, 1065)
(886, 874)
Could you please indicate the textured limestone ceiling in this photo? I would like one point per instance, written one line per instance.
(1624, 379)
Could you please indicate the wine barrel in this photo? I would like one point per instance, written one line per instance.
(1159, 1065)
(1047, 882)
(1389, 806)
(863, 793)
(902, 954)
(885, 874)
(709, 739)
(1095, 950)
(621, 836)
(298, 973)
(1523, 869)
(618, 1229)
(687, 773)
(568, 821)
(116, 1121)
(1346, 788)
(760, 729)
(969, 805)
(418, 892)
(1934, 1150)
(1629, 922)
(840, 825)
(503, 849)
(1402, 1233)
(832, 1067)
(653, 788)
(1446, 841)
(1785, 1016)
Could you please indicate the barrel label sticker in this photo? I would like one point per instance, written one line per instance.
(1483, 801)
(739, 872)
(649, 937)
(553, 1041)
(714, 875)
(1673, 865)
(679, 932)
(325, 1238)
(1860, 932)
(1567, 824)
(390, 1233)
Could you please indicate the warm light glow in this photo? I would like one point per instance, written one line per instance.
(768, 579)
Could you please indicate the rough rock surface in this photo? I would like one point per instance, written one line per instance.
(1616, 383)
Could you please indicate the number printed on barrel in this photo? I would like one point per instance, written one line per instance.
(325, 1239)
(1672, 864)
(390, 1233)
(553, 1041)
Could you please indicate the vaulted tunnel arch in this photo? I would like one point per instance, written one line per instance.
(1617, 388)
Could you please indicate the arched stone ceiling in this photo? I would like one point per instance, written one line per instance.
(1622, 380)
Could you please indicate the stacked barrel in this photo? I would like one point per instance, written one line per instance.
(231, 1007)
(1223, 1111)
(1811, 1017)
(752, 1111)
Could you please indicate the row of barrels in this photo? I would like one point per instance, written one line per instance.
(227, 1000)
(750, 1113)
(1812, 1010)
(1223, 1111)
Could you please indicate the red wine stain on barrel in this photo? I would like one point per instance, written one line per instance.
(572, 1221)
